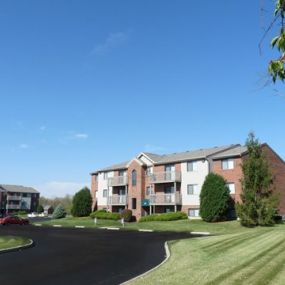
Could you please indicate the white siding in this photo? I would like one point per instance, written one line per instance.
(103, 184)
(196, 177)
(146, 160)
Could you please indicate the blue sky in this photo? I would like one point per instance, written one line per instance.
(85, 84)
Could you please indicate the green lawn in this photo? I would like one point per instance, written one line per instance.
(236, 255)
(180, 225)
(251, 256)
(11, 241)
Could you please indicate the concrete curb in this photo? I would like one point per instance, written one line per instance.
(57, 226)
(18, 248)
(145, 230)
(167, 252)
(200, 233)
(80, 227)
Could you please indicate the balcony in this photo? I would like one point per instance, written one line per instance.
(165, 199)
(117, 200)
(118, 181)
(14, 198)
(13, 207)
(165, 177)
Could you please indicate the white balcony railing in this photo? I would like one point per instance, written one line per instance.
(14, 197)
(165, 199)
(117, 200)
(118, 181)
(13, 207)
(165, 177)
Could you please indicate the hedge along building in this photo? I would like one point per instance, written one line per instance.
(151, 183)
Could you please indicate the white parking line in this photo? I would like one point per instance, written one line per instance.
(113, 229)
(145, 230)
(80, 227)
(57, 226)
(38, 225)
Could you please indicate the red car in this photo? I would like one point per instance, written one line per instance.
(13, 220)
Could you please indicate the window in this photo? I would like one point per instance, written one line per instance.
(232, 188)
(134, 178)
(122, 172)
(228, 164)
(148, 191)
(105, 175)
(193, 213)
(134, 203)
(192, 189)
(192, 166)
(105, 193)
(149, 170)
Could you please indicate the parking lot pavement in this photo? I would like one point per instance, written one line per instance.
(81, 256)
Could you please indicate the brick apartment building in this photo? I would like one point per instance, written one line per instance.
(151, 183)
(15, 198)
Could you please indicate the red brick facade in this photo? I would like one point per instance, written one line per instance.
(94, 189)
(231, 175)
(277, 167)
(136, 191)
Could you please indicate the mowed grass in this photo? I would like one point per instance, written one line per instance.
(11, 241)
(251, 256)
(178, 226)
(234, 255)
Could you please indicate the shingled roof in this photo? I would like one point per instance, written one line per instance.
(173, 157)
(18, 189)
(188, 155)
(233, 152)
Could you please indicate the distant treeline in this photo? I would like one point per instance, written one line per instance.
(66, 202)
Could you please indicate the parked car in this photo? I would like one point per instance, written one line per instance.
(13, 220)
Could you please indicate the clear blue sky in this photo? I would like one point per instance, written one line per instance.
(85, 84)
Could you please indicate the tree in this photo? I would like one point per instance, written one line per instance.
(59, 212)
(276, 67)
(82, 203)
(65, 201)
(214, 198)
(258, 205)
(40, 208)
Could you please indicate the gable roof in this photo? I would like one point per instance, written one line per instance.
(233, 152)
(170, 158)
(118, 166)
(18, 188)
(192, 155)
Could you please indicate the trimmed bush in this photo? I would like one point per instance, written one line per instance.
(40, 209)
(82, 203)
(104, 215)
(214, 199)
(127, 215)
(172, 216)
(59, 212)
(21, 213)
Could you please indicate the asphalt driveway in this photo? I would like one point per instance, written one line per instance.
(81, 256)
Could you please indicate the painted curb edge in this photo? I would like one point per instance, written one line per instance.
(167, 251)
(18, 248)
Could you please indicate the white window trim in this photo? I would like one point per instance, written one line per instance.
(194, 166)
(195, 189)
(230, 164)
(234, 188)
